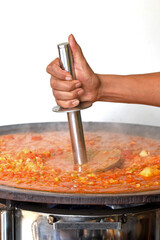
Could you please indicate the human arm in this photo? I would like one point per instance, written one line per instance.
(88, 86)
(138, 89)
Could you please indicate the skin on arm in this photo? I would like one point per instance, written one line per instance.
(138, 89)
(88, 86)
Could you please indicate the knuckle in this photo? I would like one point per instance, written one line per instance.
(59, 103)
(56, 84)
(52, 83)
(67, 104)
(55, 94)
(48, 68)
(64, 104)
(73, 95)
(52, 65)
(70, 86)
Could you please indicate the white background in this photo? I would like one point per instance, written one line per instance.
(117, 37)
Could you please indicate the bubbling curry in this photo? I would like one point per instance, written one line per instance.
(44, 162)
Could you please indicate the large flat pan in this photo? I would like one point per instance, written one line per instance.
(17, 194)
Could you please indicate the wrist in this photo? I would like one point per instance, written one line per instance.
(100, 92)
(113, 88)
(107, 88)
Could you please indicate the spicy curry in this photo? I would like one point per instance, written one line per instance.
(44, 162)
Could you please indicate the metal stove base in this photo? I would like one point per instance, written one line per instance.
(102, 223)
(23, 221)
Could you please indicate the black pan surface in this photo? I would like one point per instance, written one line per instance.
(18, 194)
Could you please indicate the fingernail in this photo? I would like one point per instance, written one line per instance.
(68, 78)
(75, 102)
(78, 85)
(80, 92)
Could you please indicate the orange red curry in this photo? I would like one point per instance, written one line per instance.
(44, 162)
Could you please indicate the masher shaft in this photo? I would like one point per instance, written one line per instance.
(74, 118)
(77, 137)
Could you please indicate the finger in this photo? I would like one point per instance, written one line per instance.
(76, 50)
(61, 95)
(68, 104)
(55, 69)
(63, 85)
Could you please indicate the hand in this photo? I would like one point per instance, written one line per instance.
(85, 87)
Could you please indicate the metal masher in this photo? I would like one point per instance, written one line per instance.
(73, 114)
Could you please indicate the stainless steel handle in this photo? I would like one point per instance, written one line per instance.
(66, 58)
(74, 118)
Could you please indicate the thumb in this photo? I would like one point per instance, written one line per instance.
(76, 50)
